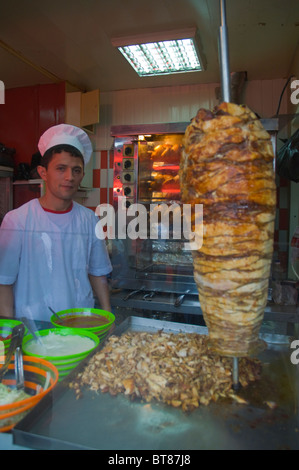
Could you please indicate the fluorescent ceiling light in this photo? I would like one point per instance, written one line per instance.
(163, 53)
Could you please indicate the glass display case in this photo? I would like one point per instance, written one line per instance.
(146, 173)
(159, 163)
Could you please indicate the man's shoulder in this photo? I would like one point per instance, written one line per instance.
(85, 217)
(20, 214)
(84, 211)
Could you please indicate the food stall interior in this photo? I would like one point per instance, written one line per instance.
(159, 270)
(266, 416)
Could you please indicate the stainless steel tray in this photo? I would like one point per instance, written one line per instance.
(100, 421)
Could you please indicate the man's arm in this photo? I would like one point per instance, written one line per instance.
(6, 301)
(101, 290)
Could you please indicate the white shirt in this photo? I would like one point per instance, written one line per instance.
(48, 256)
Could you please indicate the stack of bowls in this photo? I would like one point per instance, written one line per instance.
(6, 327)
(93, 320)
(67, 362)
(40, 377)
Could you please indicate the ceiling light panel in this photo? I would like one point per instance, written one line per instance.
(161, 57)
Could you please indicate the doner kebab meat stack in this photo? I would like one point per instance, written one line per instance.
(227, 165)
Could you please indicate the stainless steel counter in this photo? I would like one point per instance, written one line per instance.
(100, 421)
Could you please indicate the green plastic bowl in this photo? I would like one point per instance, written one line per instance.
(6, 326)
(66, 363)
(101, 330)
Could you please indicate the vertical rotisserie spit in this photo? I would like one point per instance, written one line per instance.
(227, 165)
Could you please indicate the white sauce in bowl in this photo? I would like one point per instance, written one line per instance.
(57, 345)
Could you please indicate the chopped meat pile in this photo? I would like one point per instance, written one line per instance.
(176, 369)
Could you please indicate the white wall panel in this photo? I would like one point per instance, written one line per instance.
(262, 96)
(178, 104)
(167, 104)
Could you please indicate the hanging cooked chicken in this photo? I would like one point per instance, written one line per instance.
(227, 165)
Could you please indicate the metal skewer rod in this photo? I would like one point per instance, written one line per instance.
(224, 54)
(226, 97)
(236, 383)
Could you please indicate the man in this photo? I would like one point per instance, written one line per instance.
(49, 253)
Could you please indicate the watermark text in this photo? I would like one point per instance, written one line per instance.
(160, 221)
(295, 354)
(2, 92)
(295, 93)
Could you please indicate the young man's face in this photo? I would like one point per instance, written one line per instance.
(63, 175)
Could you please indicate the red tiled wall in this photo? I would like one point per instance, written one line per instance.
(102, 178)
(26, 114)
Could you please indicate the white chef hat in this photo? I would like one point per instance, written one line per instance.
(65, 134)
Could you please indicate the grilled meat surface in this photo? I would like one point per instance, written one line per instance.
(227, 165)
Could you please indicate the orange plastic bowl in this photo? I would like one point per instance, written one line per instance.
(40, 377)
